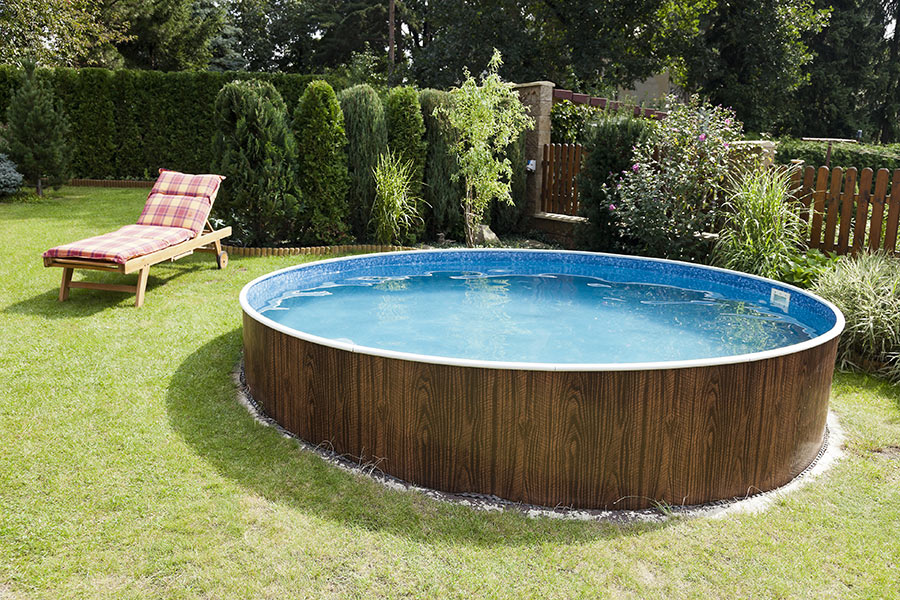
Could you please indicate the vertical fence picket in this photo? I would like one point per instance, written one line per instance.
(847, 199)
(545, 177)
(862, 210)
(890, 232)
(578, 151)
(877, 214)
(818, 208)
(832, 205)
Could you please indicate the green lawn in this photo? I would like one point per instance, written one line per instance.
(128, 470)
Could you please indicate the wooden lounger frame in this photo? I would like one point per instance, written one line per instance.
(208, 240)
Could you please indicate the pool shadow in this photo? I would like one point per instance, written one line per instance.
(204, 410)
(87, 302)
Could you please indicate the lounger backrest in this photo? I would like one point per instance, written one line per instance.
(180, 200)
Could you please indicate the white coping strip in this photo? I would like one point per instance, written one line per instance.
(754, 502)
(489, 364)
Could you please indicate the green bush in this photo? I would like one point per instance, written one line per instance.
(762, 230)
(670, 196)
(866, 288)
(255, 149)
(443, 192)
(128, 123)
(507, 218)
(570, 122)
(804, 269)
(366, 142)
(38, 132)
(10, 178)
(609, 144)
(406, 139)
(844, 155)
(322, 165)
(395, 210)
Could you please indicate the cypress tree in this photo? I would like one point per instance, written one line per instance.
(37, 135)
(255, 149)
(322, 164)
(366, 142)
(442, 194)
(406, 139)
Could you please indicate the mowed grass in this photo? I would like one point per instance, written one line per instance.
(128, 470)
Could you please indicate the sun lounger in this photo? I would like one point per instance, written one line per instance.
(173, 224)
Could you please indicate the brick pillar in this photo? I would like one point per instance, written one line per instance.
(538, 96)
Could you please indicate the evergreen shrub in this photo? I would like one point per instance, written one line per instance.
(255, 149)
(37, 132)
(443, 193)
(406, 139)
(366, 142)
(322, 166)
(10, 178)
(506, 218)
(608, 145)
(844, 155)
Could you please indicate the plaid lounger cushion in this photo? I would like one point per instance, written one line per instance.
(123, 245)
(180, 200)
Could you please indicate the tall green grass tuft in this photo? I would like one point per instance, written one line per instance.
(394, 212)
(762, 232)
(867, 290)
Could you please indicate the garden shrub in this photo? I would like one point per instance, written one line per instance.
(670, 195)
(322, 166)
(10, 178)
(570, 123)
(506, 217)
(866, 288)
(395, 210)
(366, 142)
(128, 123)
(255, 149)
(762, 230)
(443, 191)
(844, 155)
(406, 139)
(804, 269)
(37, 132)
(608, 147)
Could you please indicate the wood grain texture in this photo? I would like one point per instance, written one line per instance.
(601, 439)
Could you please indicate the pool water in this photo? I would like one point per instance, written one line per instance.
(496, 315)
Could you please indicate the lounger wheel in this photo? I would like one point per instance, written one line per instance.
(222, 259)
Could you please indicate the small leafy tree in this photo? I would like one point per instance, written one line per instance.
(488, 117)
(322, 164)
(406, 136)
(255, 149)
(366, 142)
(37, 134)
(395, 210)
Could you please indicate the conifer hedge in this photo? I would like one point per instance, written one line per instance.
(366, 142)
(322, 164)
(127, 124)
(255, 149)
(406, 139)
(444, 196)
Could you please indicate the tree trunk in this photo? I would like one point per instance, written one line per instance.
(470, 220)
(38, 189)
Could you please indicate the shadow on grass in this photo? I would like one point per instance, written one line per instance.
(88, 302)
(203, 409)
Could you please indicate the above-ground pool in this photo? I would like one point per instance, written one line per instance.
(543, 377)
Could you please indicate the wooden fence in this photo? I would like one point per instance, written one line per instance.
(845, 212)
(560, 166)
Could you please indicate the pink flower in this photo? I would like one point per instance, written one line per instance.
(727, 145)
(702, 137)
(728, 121)
(635, 167)
(612, 207)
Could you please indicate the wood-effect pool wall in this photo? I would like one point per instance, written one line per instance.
(586, 439)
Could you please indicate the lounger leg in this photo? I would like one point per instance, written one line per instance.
(141, 286)
(64, 286)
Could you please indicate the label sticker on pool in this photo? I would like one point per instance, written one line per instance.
(780, 299)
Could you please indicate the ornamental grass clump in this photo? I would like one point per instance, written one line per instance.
(762, 232)
(669, 197)
(866, 288)
(394, 213)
